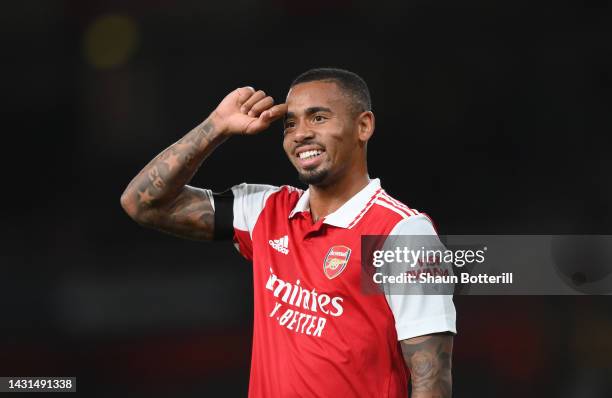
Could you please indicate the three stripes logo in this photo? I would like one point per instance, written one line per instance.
(281, 244)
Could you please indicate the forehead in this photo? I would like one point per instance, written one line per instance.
(313, 94)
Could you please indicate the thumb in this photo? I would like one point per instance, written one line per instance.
(275, 112)
(266, 118)
(257, 124)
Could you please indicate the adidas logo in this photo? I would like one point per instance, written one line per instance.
(280, 244)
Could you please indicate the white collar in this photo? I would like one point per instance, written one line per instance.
(352, 210)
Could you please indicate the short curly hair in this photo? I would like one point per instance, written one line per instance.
(351, 83)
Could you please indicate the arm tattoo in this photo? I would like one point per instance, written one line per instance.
(429, 359)
(158, 195)
(155, 178)
(190, 216)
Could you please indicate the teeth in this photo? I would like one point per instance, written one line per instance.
(309, 154)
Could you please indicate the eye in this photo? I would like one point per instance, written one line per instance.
(319, 118)
(289, 124)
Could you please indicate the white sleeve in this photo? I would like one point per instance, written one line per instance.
(420, 314)
(249, 201)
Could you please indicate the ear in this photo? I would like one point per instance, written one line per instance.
(365, 124)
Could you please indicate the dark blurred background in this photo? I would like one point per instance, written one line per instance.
(493, 118)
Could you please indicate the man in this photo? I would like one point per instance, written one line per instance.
(316, 334)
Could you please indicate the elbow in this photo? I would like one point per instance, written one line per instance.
(129, 205)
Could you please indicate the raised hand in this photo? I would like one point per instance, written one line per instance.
(246, 111)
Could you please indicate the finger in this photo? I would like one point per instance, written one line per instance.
(265, 119)
(274, 113)
(244, 93)
(248, 104)
(261, 106)
(257, 125)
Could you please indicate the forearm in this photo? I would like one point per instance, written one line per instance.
(161, 181)
(429, 359)
(158, 196)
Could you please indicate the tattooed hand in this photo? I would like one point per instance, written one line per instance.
(429, 360)
(246, 111)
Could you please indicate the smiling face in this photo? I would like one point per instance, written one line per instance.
(323, 135)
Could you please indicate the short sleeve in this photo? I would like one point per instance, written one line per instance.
(420, 314)
(249, 201)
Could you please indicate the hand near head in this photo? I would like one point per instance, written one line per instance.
(246, 111)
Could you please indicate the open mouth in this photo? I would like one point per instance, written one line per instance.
(309, 154)
(309, 157)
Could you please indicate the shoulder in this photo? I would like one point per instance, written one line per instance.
(264, 190)
(286, 194)
(251, 202)
(262, 195)
(399, 217)
(388, 204)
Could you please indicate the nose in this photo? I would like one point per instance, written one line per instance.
(303, 133)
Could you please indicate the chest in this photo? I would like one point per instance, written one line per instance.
(317, 255)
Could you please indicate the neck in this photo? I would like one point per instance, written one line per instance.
(326, 200)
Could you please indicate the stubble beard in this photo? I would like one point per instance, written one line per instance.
(314, 177)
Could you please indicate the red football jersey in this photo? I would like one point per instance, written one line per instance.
(316, 333)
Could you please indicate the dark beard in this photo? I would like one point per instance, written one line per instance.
(313, 177)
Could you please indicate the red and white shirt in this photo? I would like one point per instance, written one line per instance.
(316, 333)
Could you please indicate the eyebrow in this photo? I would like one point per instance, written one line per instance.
(309, 111)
